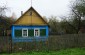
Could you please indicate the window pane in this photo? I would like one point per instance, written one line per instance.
(25, 32)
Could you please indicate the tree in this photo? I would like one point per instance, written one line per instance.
(54, 25)
(78, 12)
(5, 22)
(67, 25)
(3, 10)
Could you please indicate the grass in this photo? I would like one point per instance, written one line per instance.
(72, 51)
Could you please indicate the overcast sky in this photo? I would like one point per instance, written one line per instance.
(43, 7)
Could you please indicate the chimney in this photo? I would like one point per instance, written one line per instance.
(21, 12)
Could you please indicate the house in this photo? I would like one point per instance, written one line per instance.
(29, 26)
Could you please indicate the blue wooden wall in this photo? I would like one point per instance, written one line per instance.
(22, 39)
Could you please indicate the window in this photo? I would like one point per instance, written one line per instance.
(36, 32)
(25, 32)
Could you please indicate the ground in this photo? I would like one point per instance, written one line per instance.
(72, 51)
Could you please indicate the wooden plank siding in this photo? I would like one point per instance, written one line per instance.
(34, 19)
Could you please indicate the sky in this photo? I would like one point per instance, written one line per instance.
(43, 7)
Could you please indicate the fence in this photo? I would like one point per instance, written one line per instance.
(54, 42)
(66, 41)
(5, 44)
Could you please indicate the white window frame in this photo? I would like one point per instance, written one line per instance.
(22, 32)
(38, 32)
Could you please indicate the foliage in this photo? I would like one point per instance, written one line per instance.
(76, 19)
(66, 27)
(3, 10)
(78, 14)
(54, 25)
(5, 23)
(79, 7)
(62, 27)
(71, 51)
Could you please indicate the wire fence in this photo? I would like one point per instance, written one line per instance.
(54, 42)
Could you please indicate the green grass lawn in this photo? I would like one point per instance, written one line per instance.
(72, 51)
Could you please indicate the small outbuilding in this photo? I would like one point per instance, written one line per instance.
(30, 26)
